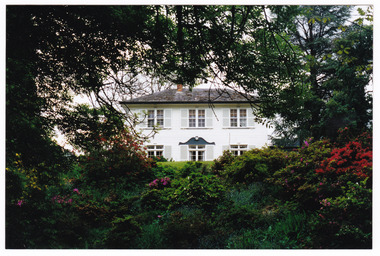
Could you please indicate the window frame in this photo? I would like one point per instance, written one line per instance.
(237, 119)
(155, 118)
(197, 118)
(197, 153)
(155, 150)
(238, 149)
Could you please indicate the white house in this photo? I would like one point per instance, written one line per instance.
(197, 125)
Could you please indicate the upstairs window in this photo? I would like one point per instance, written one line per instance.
(197, 118)
(238, 117)
(155, 117)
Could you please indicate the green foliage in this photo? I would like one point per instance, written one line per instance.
(298, 178)
(289, 232)
(255, 165)
(123, 232)
(118, 159)
(198, 190)
(152, 237)
(184, 228)
(222, 161)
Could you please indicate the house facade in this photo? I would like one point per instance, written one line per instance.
(197, 125)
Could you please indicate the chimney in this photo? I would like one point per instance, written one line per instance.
(179, 87)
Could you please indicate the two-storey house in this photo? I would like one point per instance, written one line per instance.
(198, 124)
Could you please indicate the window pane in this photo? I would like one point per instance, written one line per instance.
(193, 155)
(150, 113)
(243, 113)
(201, 118)
(158, 153)
(201, 155)
(150, 154)
(234, 146)
(233, 122)
(243, 146)
(192, 113)
(150, 147)
(243, 122)
(160, 122)
(201, 113)
(150, 122)
(192, 123)
(159, 147)
(160, 113)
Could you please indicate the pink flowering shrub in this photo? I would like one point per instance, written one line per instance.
(160, 183)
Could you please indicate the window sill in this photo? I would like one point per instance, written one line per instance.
(196, 128)
(156, 128)
(239, 128)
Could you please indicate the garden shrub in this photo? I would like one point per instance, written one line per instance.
(118, 159)
(288, 232)
(193, 167)
(196, 189)
(222, 161)
(346, 218)
(255, 165)
(123, 233)
(298, 179)
(185, 228)
(152, 236)
(354, 157)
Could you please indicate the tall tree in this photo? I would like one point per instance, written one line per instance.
(74, 49)
(320, 31)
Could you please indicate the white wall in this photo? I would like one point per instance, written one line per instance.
(217, 129)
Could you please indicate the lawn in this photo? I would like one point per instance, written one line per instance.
(180, 164)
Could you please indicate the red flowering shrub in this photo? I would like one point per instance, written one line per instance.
(354, 158)
(117, 159)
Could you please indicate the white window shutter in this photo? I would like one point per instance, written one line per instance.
(251, 118)
(184, 118)
(226, 117)
(225, 147)
(168, 152)
(167, 118)
(142, 118)
(209, 118)
(183, 152)
(209, 152)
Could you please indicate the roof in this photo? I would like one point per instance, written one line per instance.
(172, 96)
(197, 141)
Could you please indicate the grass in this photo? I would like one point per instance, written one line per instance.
(180, 164)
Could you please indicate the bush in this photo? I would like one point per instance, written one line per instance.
(346, 220)
(118, 159)
(289, 232)
(196, 189)
(185, 228)
(298, 178)
(255, 165)
(123, 233)
(222, 161)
